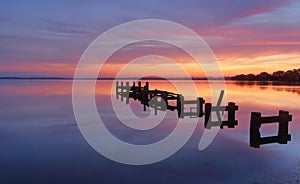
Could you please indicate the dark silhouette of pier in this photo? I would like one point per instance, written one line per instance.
(231, 122)
(257, 120)
(160, 100)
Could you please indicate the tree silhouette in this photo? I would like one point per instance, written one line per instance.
(290, 76)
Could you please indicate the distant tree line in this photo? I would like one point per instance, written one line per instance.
(290, 76)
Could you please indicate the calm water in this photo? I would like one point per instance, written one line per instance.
(41, 143)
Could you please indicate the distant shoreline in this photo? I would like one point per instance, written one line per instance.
(280, 76)
(239, 80)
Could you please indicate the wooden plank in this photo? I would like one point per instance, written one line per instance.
(190, 102)
(172, 108)
(268, 140)
(222, 108)
(207, 115)
(269, 119)
(172, 98)
(273, 119)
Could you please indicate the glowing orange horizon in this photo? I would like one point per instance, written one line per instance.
(230, 66)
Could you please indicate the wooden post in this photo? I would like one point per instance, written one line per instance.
(155, 104)
(200, 103)
(127, 92)
(134, 91)
(207, 115)
(122, 88)
(180, 107)
(117, 89)
(144, 102)
(147, 86)
(164, 101)
(255, 124)
(283, 127)
(139, 90)
(139, 86)
(145, 97)
(155, 101)
(231, 114)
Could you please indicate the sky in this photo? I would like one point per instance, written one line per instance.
(47, 38)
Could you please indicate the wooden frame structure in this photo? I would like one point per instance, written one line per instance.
(256, 121)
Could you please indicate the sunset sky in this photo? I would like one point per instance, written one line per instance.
(47, 38)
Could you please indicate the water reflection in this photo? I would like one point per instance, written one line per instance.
(40, 141)
(275, 85)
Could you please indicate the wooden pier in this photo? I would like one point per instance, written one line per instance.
(159, 99)
(256, 121)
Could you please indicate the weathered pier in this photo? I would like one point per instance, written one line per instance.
(257, 120)
(159, 99)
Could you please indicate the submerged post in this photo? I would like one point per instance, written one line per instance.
(200, 102)
(284, 118)
(231, 114)
(255, 124)
(146, 87)
(207, 114)
(139, 90)
(180, 107)
(145, 96)
(117, 89)
(122, 88)
(164, 101)
(127, 92)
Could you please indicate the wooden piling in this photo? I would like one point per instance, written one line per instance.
(231, 114)
(122, 88)
(164, 101)
(254, 129)
(127, 92)
(180, 107)
(200, 102)
(283, 135)
(117, 89)
(145, 96)
(139, 90)
(207, 115)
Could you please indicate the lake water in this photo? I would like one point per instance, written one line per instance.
(41, 142)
